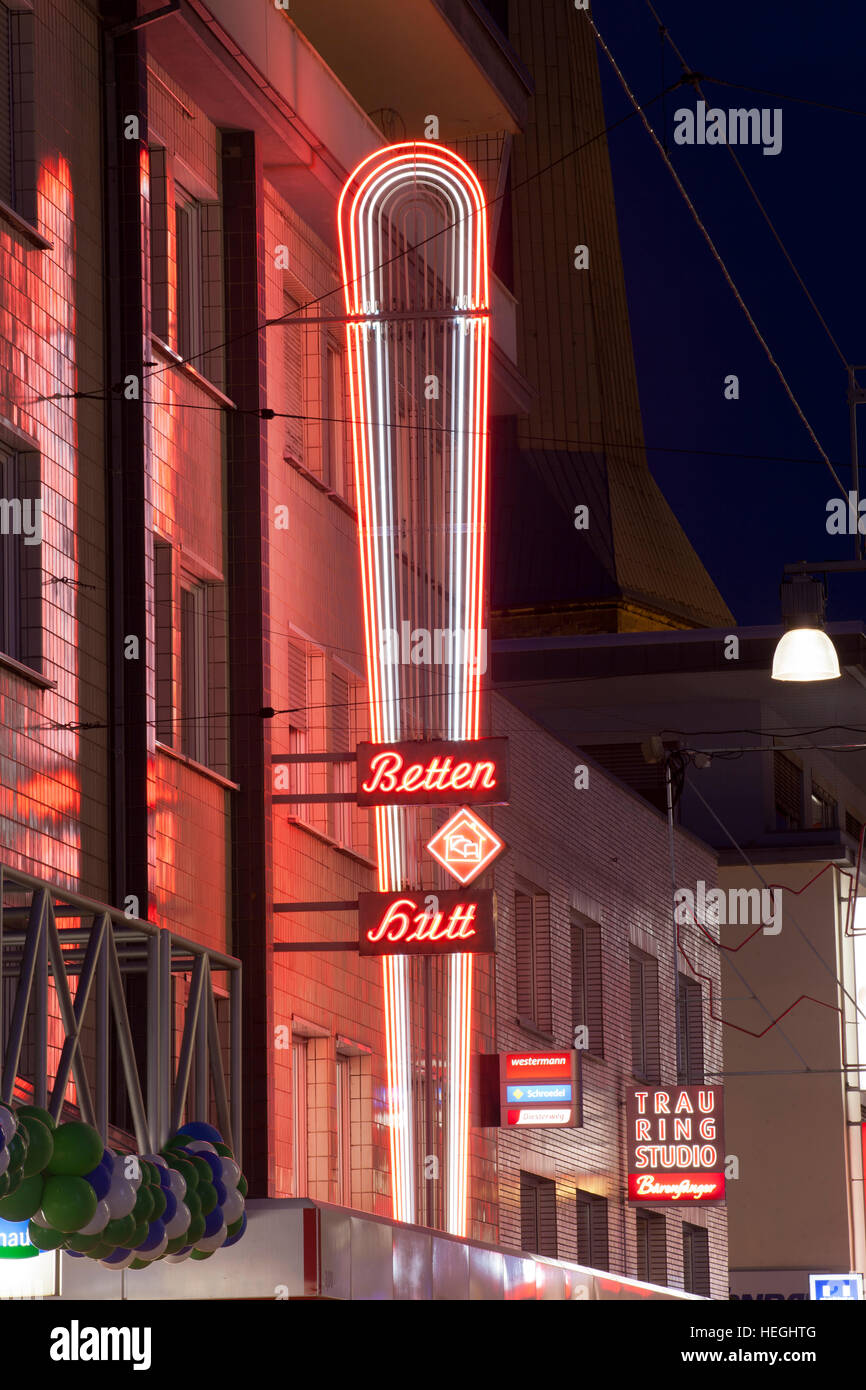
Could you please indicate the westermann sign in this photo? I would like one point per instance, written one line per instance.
(675, 1144)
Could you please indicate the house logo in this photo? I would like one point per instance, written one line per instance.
(465, 845)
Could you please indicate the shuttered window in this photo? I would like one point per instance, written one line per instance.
(592, 1245)
(11, 556)
(690, 1044)
(293, 379)
(696, 1260)
(788, 787)
(341, 773)
(532, 950)
(824, 811)
(853, 826)
(652, 1264)
(298, 717)
(162, 566)
(586, 997)
(537, 1215)
(7, 131)
(194, 663)
(644, 1008)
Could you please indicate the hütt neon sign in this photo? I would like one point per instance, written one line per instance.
(433, 773)
(429, 924)
(413, 247)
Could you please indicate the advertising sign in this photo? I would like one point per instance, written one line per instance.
(427, 923)
(465, 845)
(435, 773)
(675, 1144)
(539, 1089)
(844, 1287)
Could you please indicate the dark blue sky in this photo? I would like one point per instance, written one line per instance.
(747, 517)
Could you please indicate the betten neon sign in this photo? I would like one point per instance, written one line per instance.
(436, 773)
(426, 923)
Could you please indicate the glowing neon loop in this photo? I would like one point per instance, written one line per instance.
(363, 234)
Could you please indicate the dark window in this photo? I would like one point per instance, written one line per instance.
(194, 664)
(190, 318)
(7, 137)
(20, 558)
(592, 1246)
(824, 811)
(532, 944)
(162, 567)
(652, 1265)
(690, 1043)
(853, 826)
(788, 786)
(342, 774)
(696, 1260)
(537, 1215)
(586, 997)
(17, 125)
(644, 1001)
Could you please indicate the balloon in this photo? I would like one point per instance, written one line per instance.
(196, 1230)
(69, 1202)
(4, 1159)
(243, 1186)
(232, 1207)
(200, 1254)
(206, 1193)
(157, 1196)
(221, 1192)
(77, 1149)
(100, 1180)
(18, 1146)
(38, 1219)
(43, 1237)
(121, 1259)
(156, 1159)
(40, 1144)
(155, 1237)
(144, 1204)
(101, 1251)
(82, 1244)
(138, 1263)
(119, 1230)
(215, 1164)
(100, 1220)
(37, 1112)
(179, 1223)
(170, 1207)
(177, 1183)
(233, 1239)
(25, 1200)
(121, 1198)
(213, 1242)
(231, 1172)
(201, 1146)
(181, 1255)
(197, 1129)
(8, 1123)
(107, 1161)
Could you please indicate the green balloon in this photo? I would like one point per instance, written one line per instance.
(243, 1185)
(77, 1150)
(4, 1184)
(25, 1200)
(143, 1204)
(99, 1251)
(83, 1244)
(139, 1235)
(119, 1231)
(193, 1202)
(37, 1113)
(45, 1239)
(203, 1168)
(208, 1197)
(41, 1144)
(223, 1150)
(235, 1226)
(68, 1202)
(18, 1149)
(195, 1231)
(15, 1178)
(139, 1264)
(200, 1254)
(176, 1244)
(159, 1202)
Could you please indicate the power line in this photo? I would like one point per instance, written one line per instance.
(713, 248)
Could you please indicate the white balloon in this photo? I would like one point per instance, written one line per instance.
(38, 1219)
(177, 1184)
(8, 1124)
(120, 1198)
(231, 1172)
(213, 1242)
(5, 1159)
(155, 1253)
(119, 1264)
(179, 1222)
(99, 1221)
(157, 1159)
(233, 1207)
(178, 1259)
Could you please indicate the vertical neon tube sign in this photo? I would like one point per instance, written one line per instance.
(413, 245)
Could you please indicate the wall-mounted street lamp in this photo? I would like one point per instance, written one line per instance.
(805, 652)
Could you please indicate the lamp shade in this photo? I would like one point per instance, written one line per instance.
(805, 654)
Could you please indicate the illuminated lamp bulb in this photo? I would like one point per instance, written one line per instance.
(805, 654)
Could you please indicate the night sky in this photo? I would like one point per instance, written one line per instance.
(746, 516)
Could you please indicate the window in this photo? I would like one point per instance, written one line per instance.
(644, 1001)
(342, 774)
(532, 946)
(592, 1230)
(334, 423)
(853, 826)
(299, 1117)
(690, 1043)
(190, 313)
(298, 720)
(788, 789)
(194, 663)
(17, 139)
(537, 1215)
(586, 1000)
(696, 1260)
(344, 1133)
(824, 812)
(20, 558)
(162, 595)
(652, 1264)
(293, 384)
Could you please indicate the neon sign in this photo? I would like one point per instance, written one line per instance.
(433, 773)
(429, 924)
(675, 1144)
(540, 1089)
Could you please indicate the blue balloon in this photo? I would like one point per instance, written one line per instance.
(155, 1233)
(214, 1222)
(116, 1256)
(215, 1163)
(233, 1240)
(220, 1191)
(107, 1160)
(170, 1208)
(2, 1141)
(197, 1129)
(164, 1177)
(100, 1181)
(76, 1254)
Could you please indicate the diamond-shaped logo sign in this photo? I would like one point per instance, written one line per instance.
(465, 845)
